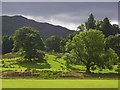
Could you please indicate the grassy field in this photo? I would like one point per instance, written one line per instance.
(29, 83)
(53, 68)
(52, 62)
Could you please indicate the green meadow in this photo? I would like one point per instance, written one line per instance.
(51, 62)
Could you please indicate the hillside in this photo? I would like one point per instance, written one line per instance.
(51, 67)
(12, 23)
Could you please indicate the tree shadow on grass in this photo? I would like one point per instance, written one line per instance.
(35, 64)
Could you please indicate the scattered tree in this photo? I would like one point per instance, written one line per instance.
(29, 43)
(88, 48)
(53, 43)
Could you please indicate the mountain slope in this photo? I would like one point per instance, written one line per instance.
(12, 23)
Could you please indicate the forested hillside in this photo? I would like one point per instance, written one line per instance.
(12, 23)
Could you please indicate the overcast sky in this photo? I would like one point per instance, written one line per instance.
(67, 14)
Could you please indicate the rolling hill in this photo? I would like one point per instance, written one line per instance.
(11, 23)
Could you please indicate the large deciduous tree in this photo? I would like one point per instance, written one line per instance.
(87, 48)
(28, 42)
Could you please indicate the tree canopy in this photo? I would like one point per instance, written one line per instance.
(29, 43)
(106, 27)
(53, 43)
(90, 24)
(7, 44)
(87, 48)
(114, 43)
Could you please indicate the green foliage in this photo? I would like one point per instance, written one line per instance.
(104, 25)
(28, 43)
(90, 24)
(69, 59)
(81, 27)
(53, 43)
(116, 29)
(110, 58)
(68, 40)
(88, 48)
(98, 24)
(62, 45)
(114, 43)
(7, 44)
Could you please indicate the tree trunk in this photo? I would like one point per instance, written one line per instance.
(88, 68)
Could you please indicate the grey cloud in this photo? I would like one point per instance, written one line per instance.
(75, 12)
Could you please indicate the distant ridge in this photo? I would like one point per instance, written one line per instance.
(11, 23)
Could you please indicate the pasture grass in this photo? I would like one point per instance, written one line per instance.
(52, 62)
(55, 63)
(52, 67)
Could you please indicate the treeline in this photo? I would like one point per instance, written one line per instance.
(95, 44)
(103, 25)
